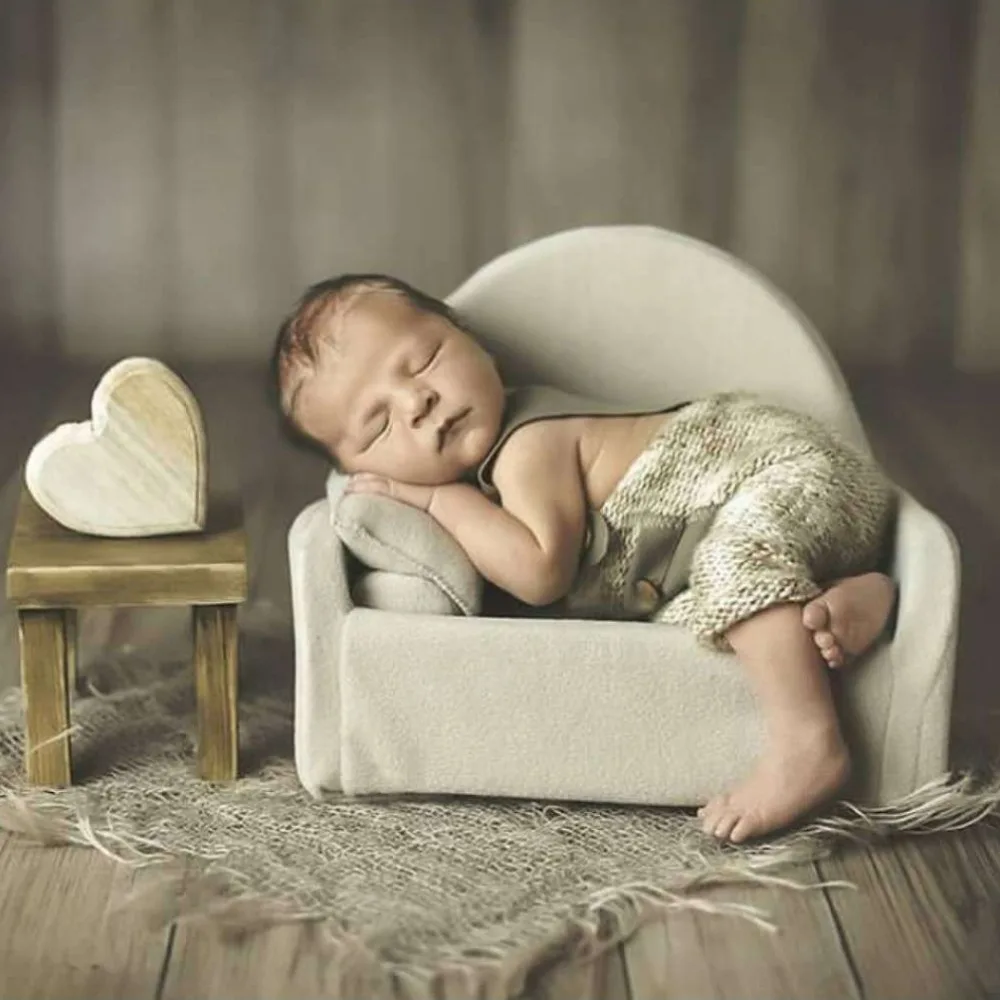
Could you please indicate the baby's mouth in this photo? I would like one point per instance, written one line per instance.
(445, 430)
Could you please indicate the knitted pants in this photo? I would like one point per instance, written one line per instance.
(781, 503)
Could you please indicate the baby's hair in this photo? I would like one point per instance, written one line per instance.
(302, 331)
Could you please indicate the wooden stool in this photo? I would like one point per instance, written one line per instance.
(52, 571)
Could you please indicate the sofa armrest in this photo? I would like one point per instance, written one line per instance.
(927, 569)
(321, 601)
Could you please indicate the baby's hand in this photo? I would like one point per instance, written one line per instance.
(367, 482)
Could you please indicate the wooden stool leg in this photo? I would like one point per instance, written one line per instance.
(216, 679)
(44, 661)
(70, 632)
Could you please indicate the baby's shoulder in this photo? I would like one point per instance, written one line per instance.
(547, 439)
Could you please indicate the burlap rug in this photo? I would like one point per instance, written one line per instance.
(395, 888)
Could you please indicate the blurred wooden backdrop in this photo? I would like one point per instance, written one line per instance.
(172, 172)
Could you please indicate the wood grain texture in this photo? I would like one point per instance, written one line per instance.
(70, 625)
(177, 172)
(218, 49)
(979, 296)
(685, 954)
(137, 468)
(931, 434)
(295, 963)
(216, 687)
(602, 978)
(282, 963)
(27, 163)
(45, 682)
(776, 103)
(377, 116)
(925, 920)
(113, 177)
(600, 115)
(51, 567)
(61, 937)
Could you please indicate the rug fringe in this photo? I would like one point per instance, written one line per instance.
(33, 823)
(188, 890)
(947, 803)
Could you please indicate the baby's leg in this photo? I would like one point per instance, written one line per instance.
(805, 760)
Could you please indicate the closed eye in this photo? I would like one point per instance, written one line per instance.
(382, 432)
(429, 361)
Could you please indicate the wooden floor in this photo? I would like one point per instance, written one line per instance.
(924, 920)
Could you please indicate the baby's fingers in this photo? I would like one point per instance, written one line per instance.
(367, 482)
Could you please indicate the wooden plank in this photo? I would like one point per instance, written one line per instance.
(216, 680)
(926, 920)
(716, 32)
(377, 118)
(60, 936)
(685, 954)
(865, 114)
(897, 202)
(44, 661)
(214, 54)
(932, 434)
(602, 978)
(113, 177)
(274, 253)
(51, 566)
(776, 104)
(27, 244)
(978, 308)
(928, 226)
(290, 962)
(486, 69)
(874, 137)
(601, 116)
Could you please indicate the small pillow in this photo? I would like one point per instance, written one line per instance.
(378, 588)
(411, 549)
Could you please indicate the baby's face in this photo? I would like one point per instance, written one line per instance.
(401, 393)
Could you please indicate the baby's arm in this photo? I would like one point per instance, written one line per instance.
(530, 546)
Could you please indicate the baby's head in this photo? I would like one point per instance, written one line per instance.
(384, 379)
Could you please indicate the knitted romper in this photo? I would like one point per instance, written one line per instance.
(734, 506)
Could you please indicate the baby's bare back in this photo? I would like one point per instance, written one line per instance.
(608, 446)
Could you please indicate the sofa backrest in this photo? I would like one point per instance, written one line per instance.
(640, 313)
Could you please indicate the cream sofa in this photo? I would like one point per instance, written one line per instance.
(532, 707)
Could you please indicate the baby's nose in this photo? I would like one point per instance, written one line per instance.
(422, 401)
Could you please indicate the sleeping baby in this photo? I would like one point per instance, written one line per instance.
(755, 527)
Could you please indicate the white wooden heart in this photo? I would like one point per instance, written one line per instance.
(136, 468)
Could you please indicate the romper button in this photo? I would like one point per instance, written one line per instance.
(647, 596)
(596, 544)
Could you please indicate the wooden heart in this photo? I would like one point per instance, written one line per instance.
(136, 468)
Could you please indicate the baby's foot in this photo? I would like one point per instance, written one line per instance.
(793, 775)
(846, 619)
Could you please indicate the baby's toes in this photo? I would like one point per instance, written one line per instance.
(816, 615)
(745, 828)
(829, 648)
(726, 823)
(834, 657)
(710, 813)
(825, 640)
